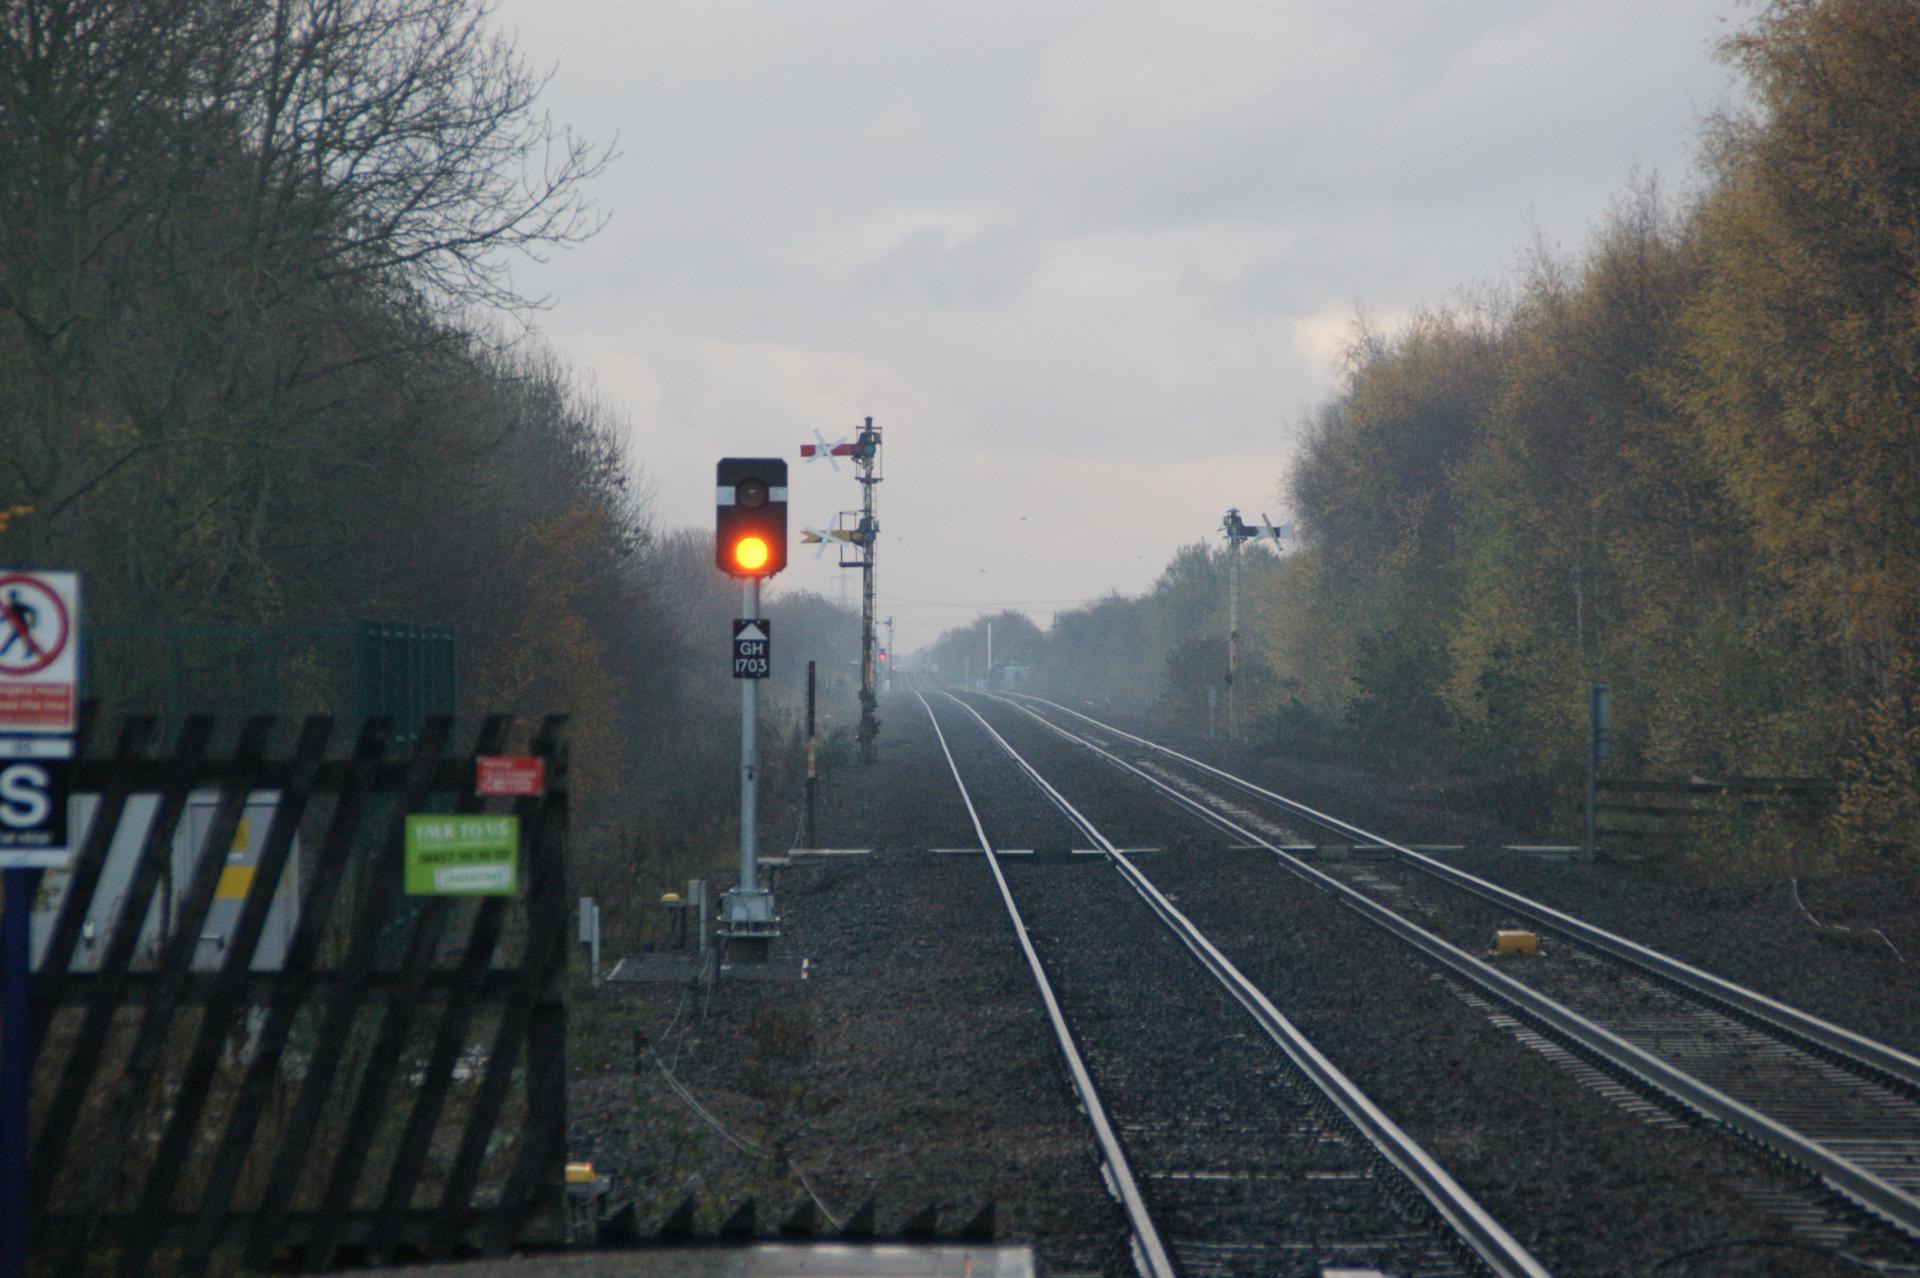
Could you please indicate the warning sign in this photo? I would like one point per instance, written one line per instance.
(39, 652)
(515, 776)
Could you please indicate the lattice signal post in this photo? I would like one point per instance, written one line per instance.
(859, 541)
(866, 461)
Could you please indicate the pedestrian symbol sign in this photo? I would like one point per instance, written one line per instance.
(39, 652)
(752, 648)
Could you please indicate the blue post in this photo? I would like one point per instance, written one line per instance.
(16, 1065)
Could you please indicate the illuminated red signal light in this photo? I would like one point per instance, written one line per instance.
(750, 554)
(750, 516)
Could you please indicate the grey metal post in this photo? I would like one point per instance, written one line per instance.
(1599, 747)
(590, 934)
(749, 751)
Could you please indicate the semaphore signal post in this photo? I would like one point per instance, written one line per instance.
(866, 460)
(863, 539)
(1237, 531)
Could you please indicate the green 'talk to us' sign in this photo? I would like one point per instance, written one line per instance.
(463, 855)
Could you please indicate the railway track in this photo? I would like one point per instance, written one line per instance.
(1840, 1106)
(1239, 1159)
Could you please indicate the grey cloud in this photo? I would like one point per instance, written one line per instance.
(1073, 230)
(983, 270)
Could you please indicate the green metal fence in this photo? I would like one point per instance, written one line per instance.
(357, 669)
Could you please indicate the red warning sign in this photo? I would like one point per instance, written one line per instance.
(510, 776)
(39, 646)
(29, 707)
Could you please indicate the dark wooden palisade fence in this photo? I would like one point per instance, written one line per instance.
(334, 1108)
(1637, 817)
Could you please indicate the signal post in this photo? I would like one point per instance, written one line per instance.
(864, 537)
(1237, 531)
(866, 460)
(750, 542)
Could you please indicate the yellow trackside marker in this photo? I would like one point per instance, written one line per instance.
(580, 1174)
(235, 882)
(1515, 941)
(240, 836)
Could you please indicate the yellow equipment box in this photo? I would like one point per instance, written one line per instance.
(1514, 941)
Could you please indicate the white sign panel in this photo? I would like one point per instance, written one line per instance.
(33, 813)
(39, 652)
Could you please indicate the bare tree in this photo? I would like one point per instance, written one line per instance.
(201, 200)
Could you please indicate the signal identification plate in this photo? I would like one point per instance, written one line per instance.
(752, 648)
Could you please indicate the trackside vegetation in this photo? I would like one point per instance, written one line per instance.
(1684, 461)
(262, 362)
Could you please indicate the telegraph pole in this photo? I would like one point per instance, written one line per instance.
(867, 463)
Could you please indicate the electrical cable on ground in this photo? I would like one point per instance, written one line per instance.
(1794, 884)
(740, 1143)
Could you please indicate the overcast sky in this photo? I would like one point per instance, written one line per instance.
(1087, 266)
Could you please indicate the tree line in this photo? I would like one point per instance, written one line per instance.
(262, 361)
(1684, 461)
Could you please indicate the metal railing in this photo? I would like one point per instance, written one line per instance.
(352, 669)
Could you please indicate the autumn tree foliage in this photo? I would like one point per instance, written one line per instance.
(1806, 336)
(1684, 461)
(1805, 331)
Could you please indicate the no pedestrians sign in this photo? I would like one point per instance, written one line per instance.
(39, 652)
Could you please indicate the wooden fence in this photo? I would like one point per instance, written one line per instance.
(338, 1105)
(1641, 818)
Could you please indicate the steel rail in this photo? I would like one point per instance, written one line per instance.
(1150, 1253)
(1841, 1174)
(1489, 1241)
(1861, 1051)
